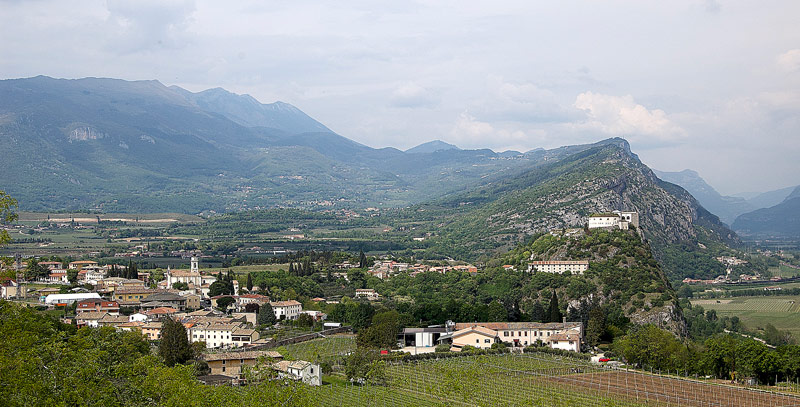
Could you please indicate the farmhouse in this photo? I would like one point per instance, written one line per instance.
(300, 370)
(367, 293)
(231, 363)
(521, 334)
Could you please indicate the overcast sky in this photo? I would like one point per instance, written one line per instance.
(710, 85)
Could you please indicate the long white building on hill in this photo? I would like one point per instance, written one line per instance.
(559, 267)
(615, 219)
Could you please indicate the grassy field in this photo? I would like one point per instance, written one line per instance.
(784, 271)
(755, 312)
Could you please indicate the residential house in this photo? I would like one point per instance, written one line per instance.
(130, 296)
(152, 330)
(286, 309)
(367, 293)
(475, 336)
(521, 334)
(77, 265)
(221, 334)
(10, 289)
(159, 313)
(163, 299)
(96, 304)
(301, 370)
(55, 276)
(112, 320)
(315, 315)
(231, 363)
(89, 319)
(566, 341)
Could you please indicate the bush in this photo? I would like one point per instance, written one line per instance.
(442, 347)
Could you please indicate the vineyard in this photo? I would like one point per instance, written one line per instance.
(755, 312)
(538, 380)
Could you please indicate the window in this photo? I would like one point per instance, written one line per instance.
(505, 333)
(223, 368)
(486, 341)
(477, 341)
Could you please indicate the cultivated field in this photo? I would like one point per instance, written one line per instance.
(538, 380)
(755, 312)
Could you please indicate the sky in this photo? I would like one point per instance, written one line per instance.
(710, 85)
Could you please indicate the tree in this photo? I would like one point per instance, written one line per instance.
(224, 302)
(249, 282)
(497, 312)
(72, 276)
(537, 312)
(7, 214)
(180, 285)
(554, 314)
(266, 316)
(252, 307)
(382, 333)
(220, 287)
(305, 320)
(362, 260)
(174, 347)
(596, 326)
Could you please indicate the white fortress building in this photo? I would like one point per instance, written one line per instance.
(559, 267)
(615, 219)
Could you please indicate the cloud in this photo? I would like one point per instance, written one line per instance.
(622, 116)
(412, 95)
(145, 25)
(789, 61)
(524, 102)
(469, 132)
(712, 6)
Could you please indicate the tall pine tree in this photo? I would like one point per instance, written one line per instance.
(174, 347)
(249, 282)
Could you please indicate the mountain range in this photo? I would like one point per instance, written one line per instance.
(140, 146)
(781, 221)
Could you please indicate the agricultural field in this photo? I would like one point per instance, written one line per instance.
(320, 350)
(755, 312)
(538, 380)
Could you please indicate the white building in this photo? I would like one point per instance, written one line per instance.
(569, 340)
(191, 277)
(615, 219)
(367, 293)
(222, 335)
(69, 298)
(286, 309)
(559, 267)
(306, 372)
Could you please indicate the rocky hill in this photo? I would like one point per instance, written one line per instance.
(726, 207)
(564, 192)
(622, 273)
(781, 221)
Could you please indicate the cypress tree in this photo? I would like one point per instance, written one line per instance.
(174, 347)
(554, 315)
(249, 282)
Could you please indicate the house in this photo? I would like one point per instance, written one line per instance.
(112, 284)
(367, 293)
(91, 274)
(10, 289)
(420, 337)
(315, 315)
(231, 363)
(89, 319)
(55, 276)
(301, 370)
(95, 304)
(51, 265)
(163, 299)
(152, 330)
(137, 317)
(112, 320)
(159, 313)
(521, 334)
(559, 267)
(192, 300)
(77, 265)
(245, 299)
(286, 309)
(476, 336)
(222, 334)
(566, 341)
(130, 296)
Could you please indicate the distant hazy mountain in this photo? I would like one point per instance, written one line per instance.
(770, 198)
(726, 207)
(247, 111)
(432, 147)
(778, 221)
